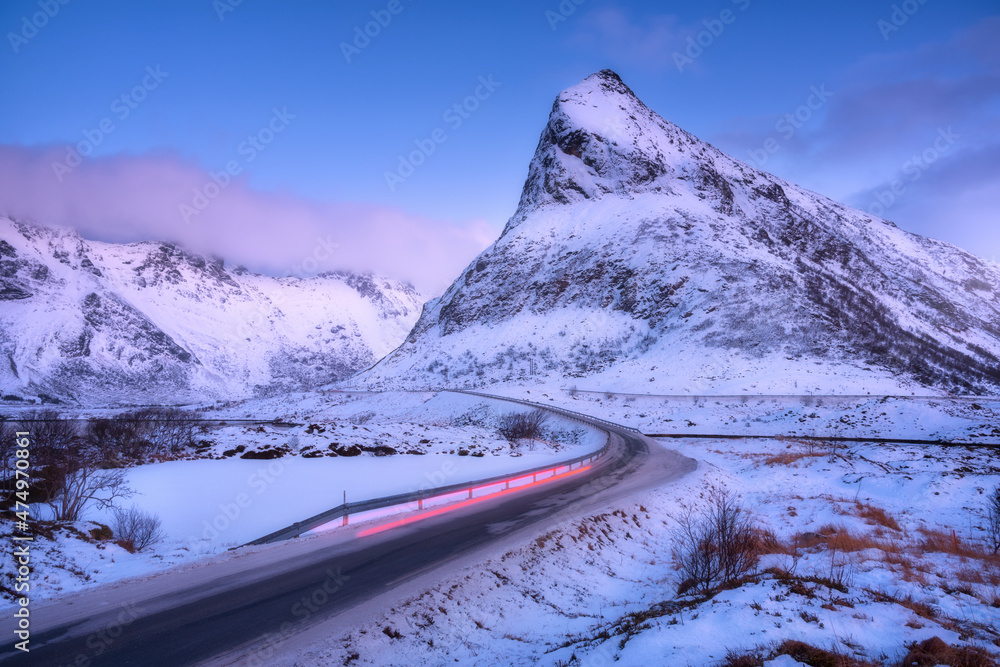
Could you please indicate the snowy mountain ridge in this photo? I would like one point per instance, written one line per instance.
(102, 323)
(642, 257)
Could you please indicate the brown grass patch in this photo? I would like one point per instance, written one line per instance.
(787, 458)
(874, 515)
(818, 657)
(839, 538)
(940, 541)
(935, 651)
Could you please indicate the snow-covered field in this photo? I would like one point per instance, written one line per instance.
(935, 418)
(216, 499)
(863, 563)
(871, 546)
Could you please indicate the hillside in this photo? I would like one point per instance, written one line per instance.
(644, 259)
(101, 323)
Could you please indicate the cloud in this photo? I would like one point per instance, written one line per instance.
(958, 194)
(131, 198)
(886, 112)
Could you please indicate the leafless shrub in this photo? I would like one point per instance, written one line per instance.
(514, 426)
(55, 449)
(113, 439)
(935, 651)
(166, 430)
(136, 529)
(85, 483)
(361, 418)
(7, 447)
(716, 547)
(993, 520)
(137, 435)
(67, 471)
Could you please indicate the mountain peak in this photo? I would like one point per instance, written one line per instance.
(640, 254)
(601, 139)
(609, 81)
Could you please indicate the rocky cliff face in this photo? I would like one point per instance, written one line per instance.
(641, 256)
(100, 323)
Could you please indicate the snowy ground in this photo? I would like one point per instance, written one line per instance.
(864, 561)
(216, 499)
(972, 420)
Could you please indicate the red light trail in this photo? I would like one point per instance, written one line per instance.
(448, 508)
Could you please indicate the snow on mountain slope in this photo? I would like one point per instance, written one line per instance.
(642, 257)
(149, 322)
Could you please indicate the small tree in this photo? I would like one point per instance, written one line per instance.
(85, 483)
(717, 546)
(112, 439)
(54, 443)
(136, 529)
(7, 447)
(993, 519)
(516, 425)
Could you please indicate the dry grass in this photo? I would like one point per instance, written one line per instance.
(919, 608)
(876, 516)
(839, 538)
(934, 651)
(787, 458)
(901, 554)
(939, 541)
(800, 651)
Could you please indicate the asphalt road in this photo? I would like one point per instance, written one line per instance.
(249, 610)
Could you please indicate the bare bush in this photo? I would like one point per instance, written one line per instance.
(993, 519)
(67, 469)
(7, 447)
(113, 439)
(136, 529)
(717, 546)
(84, 483)
(136, 435)
(55, 448)
(164, 430)
(361, 418)
(517, 425)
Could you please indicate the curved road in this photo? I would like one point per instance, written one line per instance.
(241, 608)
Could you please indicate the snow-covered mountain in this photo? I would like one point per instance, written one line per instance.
(101, 323)
(640, 256)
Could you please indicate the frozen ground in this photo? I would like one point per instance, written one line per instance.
(863, 558)
(972, 420)
(216, 499)
(862, 562)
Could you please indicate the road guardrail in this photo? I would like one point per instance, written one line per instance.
(345, 510)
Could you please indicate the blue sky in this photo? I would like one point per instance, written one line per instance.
(199, 78)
